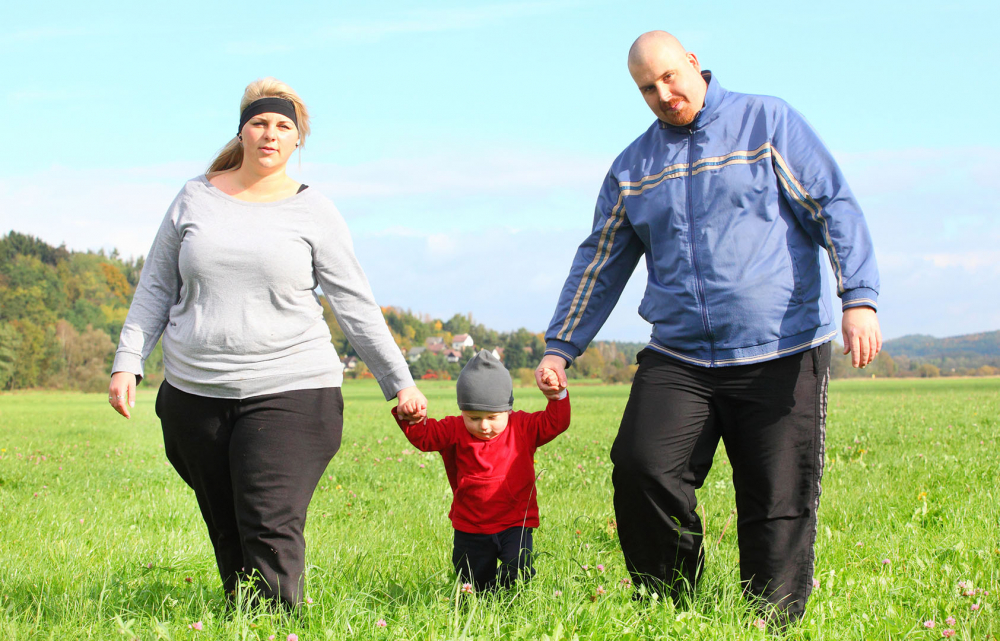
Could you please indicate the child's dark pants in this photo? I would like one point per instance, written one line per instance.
(476, 555)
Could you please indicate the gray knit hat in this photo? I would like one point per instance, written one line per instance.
(484, 385)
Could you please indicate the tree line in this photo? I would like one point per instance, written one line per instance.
(61, 313)
(521, 350)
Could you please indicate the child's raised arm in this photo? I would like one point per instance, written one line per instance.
(430, 435)
(552, 421)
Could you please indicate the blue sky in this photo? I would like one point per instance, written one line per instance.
(465, 142)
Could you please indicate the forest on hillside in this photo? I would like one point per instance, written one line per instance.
(61, 312)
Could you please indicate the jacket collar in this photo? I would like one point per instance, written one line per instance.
(713, 96)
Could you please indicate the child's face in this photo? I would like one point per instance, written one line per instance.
(485, 425)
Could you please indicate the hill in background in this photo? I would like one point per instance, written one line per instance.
(969, 346)
(927, 356)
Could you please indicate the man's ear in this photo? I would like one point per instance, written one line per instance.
(693, 59)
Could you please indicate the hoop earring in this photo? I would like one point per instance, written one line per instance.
(239, 137)
(298, 142)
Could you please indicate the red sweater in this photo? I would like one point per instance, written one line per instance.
(493, 481)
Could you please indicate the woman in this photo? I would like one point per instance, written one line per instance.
(251, 407)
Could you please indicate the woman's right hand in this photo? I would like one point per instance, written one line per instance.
(412, 405)
(121, 392)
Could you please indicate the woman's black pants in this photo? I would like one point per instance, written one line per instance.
(771, 417)
(253, 464)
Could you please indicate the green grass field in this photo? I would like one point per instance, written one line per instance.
(101, 539)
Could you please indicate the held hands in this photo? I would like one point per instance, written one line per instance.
(862, 336)
(550, 376)
(121, 392)
(412, 405)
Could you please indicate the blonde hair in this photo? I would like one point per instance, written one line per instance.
(231, 156)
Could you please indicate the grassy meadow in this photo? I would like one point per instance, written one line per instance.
(100, 539)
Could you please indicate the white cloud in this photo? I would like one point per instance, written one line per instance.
(49, 95)
(39, 34)
(441, 247)
(465, 190)
(493, 232)
(975, 261)
(105, 208)
(507, 279)
(436, 20)
(414, 21)
(935, 223)
(460, 173)
(91, 209)
(256, 48)
(923, 201)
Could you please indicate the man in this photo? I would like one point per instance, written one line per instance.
(730, 197)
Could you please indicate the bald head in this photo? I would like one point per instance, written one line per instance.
(668, 77)
(653, 43)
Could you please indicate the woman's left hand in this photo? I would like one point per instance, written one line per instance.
(412, 405)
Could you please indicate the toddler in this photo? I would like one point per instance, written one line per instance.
(488, 455)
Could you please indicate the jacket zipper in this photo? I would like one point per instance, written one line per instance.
(699, 286)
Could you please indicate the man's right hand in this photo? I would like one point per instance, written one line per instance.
(550, 376)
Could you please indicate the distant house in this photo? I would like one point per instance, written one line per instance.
(452, 355)
(415, 353)
(433, 340)
(498, 353)
(461, 341)
(350, 363)
(437, 348)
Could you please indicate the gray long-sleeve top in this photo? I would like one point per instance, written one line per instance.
(230, 286)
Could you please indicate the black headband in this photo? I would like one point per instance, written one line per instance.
(268, 106)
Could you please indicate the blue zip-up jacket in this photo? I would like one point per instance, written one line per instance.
(730, 212)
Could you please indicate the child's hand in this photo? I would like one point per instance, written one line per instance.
(548, 380)
(412, 406)
(414, 413)
(411, 411)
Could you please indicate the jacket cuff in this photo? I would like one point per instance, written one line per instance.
(128, 362)
(563, 349)
(860, 297)
(396, 380)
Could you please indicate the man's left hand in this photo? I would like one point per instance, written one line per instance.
(862, 336)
